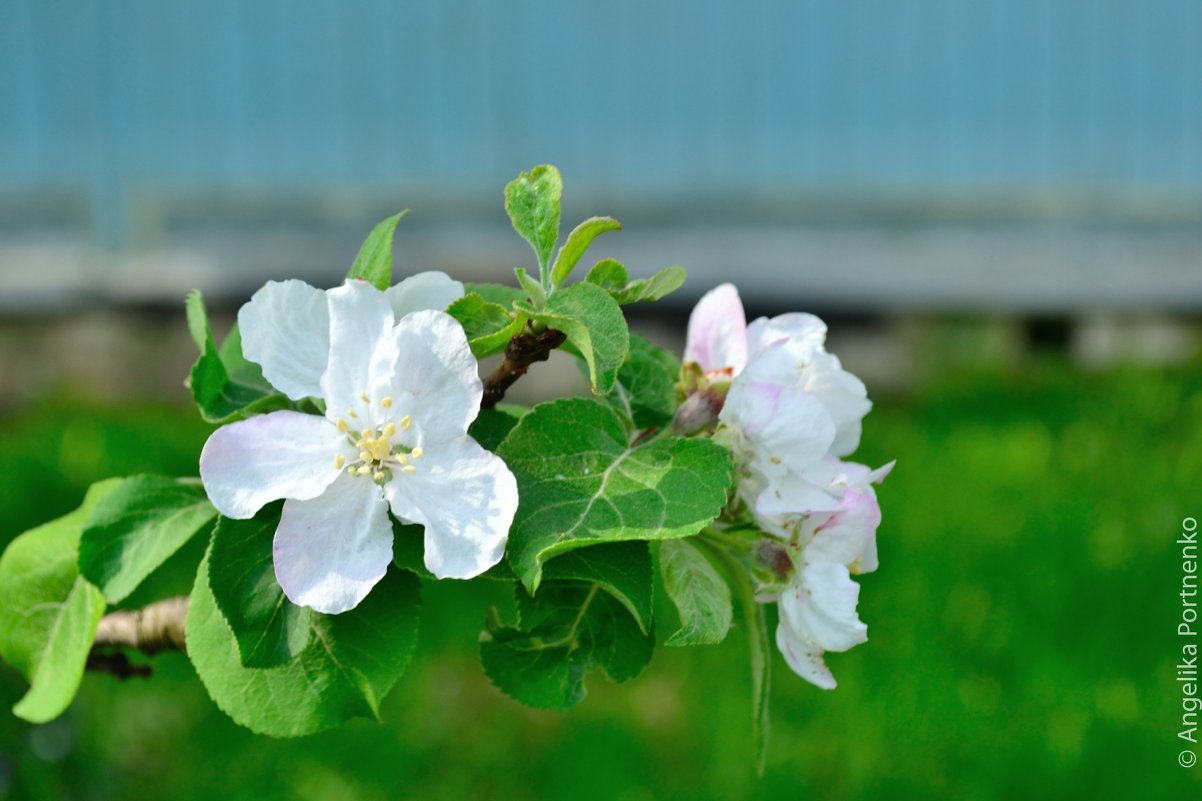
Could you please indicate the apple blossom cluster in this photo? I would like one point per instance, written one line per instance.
(789, 412)
(360, 449)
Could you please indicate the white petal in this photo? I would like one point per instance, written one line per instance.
(286, 331)
(466, 498)
(436, 379)
(784, 427)
(801, 333)
(362, 352)
(422, 291)
(717, 336)
(822, 607)
(803, 657)
(790, 494)
(843, 395)
(247, 464)
(331, 550)
(845, 536)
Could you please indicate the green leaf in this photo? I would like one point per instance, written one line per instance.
(609, 274)
(623, 569)
(488, 326)
(269, 628)
(664, 282)
(534, 290)
(593, 323)
(224, 384)
(566, 630)
(493, 425)
(48, 612)
(374, 262)
(580, 483)
(532, 202)
(136, 527)
(700, 594)
(577, 243)
(645, 386)
(499, 294)
(350, 663)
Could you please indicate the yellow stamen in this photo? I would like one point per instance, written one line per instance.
(365, 456)
(342, 426)
(402, 458)
(386, 402)
(416, 453)
(406, 421)
(378, 475)
(339, 461)
(366, 433)
(380, 449)
(351, 470)
(408, 469)
(363, 397)
(351, 413)
(389, 430)
(364, 470)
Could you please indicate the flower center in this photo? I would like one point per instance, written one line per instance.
(379, 457)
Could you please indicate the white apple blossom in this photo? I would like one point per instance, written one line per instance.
(400, 388)
(790, 403)
(790, 412)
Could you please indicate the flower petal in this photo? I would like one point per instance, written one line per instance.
(790, 494)
(330, 551)
(803, 657)
(466, 498)
(247, 464)
(286, 331)
(362, 351)
(843, 395)
(422, 291)
(436, 379)
(802, 334)
(845, 536)
(717, 336)
(783, 427)
(821, 605)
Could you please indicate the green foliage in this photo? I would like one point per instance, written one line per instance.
(224, 384)
(564, 631)
(348, 665)
(593, 324)
(489, 326)
(491, 426)
(135, 527)
(700, 594)
(611, 275)
(374, 262)
(533, 289)
(532, 202)
(577, 243)
(623, 569)
(580, 483)
(48, 612)
(269, 629)
(645, 386)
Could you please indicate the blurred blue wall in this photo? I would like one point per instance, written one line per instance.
(101, 99)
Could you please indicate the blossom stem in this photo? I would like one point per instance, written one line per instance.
(521, 352)
(757, 641)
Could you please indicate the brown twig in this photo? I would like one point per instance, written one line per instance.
(154, 628)
(521, 352)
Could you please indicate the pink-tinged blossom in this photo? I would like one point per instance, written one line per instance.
(400, 388)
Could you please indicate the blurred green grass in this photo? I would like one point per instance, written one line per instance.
(1021, 634)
